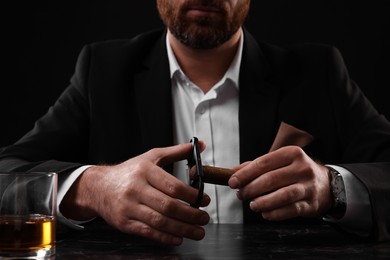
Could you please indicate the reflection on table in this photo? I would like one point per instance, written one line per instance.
(224, 241)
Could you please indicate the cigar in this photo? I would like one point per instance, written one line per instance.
(214, 175)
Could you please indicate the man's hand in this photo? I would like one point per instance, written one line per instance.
(139, 197)
(284, 184)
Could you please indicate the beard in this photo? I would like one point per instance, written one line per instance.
(203, 32)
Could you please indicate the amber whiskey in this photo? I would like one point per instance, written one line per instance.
(28, 233)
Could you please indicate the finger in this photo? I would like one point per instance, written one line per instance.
(296, 209)
(168, 155)
(257, 168)
(173, 187)
(279, 198)
(269, 182)
(142, 229)
(268, 162)
(171, 154)
(173, 208)
(167, 225)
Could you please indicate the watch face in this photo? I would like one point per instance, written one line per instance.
(339, 197)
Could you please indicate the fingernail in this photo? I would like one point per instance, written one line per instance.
(238, 194)
(265, 216)
(253, 206)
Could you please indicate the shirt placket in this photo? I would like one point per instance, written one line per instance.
(204, 130)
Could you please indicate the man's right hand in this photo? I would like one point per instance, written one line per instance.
(139, 197)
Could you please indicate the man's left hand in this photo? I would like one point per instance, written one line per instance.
(284, 184)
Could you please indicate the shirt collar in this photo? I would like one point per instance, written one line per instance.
(232, 73)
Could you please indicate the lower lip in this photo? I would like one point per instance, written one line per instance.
(198, 12)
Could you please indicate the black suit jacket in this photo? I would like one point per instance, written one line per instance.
(119, 105)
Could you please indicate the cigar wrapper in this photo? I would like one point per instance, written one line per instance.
(213, 175)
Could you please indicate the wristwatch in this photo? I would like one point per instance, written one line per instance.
(338, 195)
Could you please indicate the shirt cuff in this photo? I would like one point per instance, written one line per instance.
(63, 188)
(358, 217)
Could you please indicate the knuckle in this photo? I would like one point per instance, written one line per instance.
(296, 193)
(172, 189)
(302, 209)
(157, 220)
(119, 222)
(307, 171)
(142, 165)
(270, 181)
(298, 209)
(296, 151)
(167, 206)
(261, 162)
(157, 154)
(130, 190)
(138, 169)
(134, 227)
(145, 231)
(154, 151)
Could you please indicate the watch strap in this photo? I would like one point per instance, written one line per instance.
(337, 188)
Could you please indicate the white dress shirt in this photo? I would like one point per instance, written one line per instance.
(212, 117)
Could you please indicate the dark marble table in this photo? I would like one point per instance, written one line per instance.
(224, 241)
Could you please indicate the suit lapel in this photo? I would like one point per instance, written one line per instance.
(154, 99)
(258, 103)
(257, 109)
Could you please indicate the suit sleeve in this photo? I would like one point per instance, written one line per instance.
(375, 176)
(58, 141)
(365, 140)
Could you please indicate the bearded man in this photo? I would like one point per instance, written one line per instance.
(119, 134)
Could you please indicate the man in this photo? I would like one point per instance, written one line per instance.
(119, 134)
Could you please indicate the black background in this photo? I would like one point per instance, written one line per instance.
(42, 39)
